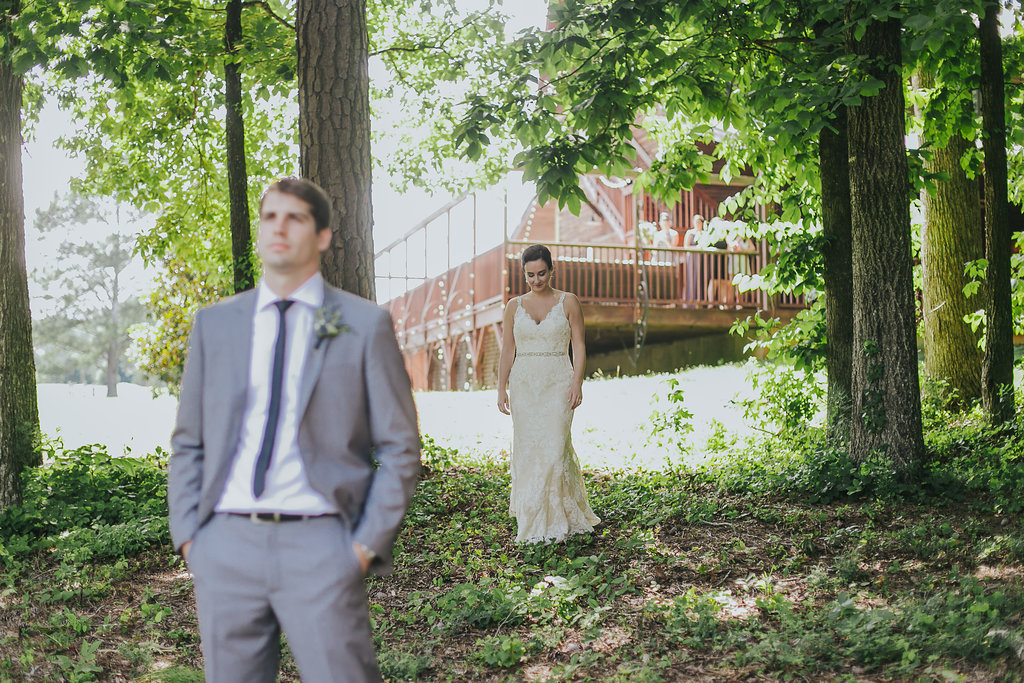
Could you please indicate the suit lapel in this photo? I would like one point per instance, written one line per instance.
(234, 332)
(315, 356)
(237, 333)
(239, 327)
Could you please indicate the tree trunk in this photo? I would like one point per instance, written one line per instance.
(114, 345)
(19, 412)
(234, 130)
(886, 412)
(997, 367)
(111, 373)
(952, 236)
(334, 131)
(834, 167)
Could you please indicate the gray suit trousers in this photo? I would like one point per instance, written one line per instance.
(255, 579)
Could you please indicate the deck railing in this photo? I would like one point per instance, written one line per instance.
(459, 262)
(665, 276)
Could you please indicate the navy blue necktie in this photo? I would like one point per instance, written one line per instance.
(274, 408)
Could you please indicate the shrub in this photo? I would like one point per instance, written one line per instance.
(85, 504)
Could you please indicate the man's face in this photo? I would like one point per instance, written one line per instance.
(288, 241)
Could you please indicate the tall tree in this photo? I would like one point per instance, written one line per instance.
(951, 237)
(91, 308)
(837, 273)
(19, 410)
(334, 131)
(997, 367)
(886, 411)
(243, 273)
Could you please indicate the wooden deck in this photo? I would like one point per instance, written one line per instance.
(449, 326)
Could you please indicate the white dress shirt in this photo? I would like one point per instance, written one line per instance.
(287, 487)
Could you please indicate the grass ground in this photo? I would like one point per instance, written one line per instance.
(693, 575)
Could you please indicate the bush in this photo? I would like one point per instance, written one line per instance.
(85, 504)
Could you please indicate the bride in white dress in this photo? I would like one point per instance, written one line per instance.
(548, 498)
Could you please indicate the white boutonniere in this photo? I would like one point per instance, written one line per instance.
(327, 324)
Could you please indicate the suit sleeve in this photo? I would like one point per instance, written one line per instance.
(395, 440)
(185, 469)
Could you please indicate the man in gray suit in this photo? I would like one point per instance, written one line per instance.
(295, 455)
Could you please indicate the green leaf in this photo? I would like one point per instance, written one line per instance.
(919, 22)
(73, 67)
(24, 60)
(871, 87)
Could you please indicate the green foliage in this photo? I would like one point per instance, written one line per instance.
(503, 651)
(84, 505)
(800, 342)
(470, 606)
(670, 421)
(690, 619)
(787, 398)
(434, 456)
(159, 346)
(398, 665)
(174, 674)
(964, 622)
(83, 669)
(968, 460)
(809, 471)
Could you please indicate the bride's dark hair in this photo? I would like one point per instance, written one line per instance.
(534, 252)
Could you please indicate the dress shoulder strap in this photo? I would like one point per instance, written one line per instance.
(561, 298)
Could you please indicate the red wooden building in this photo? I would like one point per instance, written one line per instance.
(447, 280)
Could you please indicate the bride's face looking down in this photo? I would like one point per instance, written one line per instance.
(538, 276)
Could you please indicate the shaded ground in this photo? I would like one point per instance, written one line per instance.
(679, 583)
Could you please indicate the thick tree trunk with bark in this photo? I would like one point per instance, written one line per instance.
(19, 413)
(886, 414)
(833, 163)
(951, 237)
(234, 130)
(334, 131)
(997, 367)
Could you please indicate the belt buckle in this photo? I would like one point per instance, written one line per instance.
(256, 519)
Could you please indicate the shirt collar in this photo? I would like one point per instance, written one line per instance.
(310, 293)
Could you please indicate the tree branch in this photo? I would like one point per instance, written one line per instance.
(423, 45)
(268, 10)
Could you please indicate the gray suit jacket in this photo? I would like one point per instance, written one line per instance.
(355, 405)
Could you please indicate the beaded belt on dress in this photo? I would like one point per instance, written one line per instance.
(540, 353)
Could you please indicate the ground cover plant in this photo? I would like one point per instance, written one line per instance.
(777, 560)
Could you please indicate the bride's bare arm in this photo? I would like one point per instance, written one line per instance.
(574, 312)
(508, 354)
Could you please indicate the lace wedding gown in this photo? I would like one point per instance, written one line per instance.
(548, 499)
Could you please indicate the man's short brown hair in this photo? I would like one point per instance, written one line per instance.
(307, 191)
